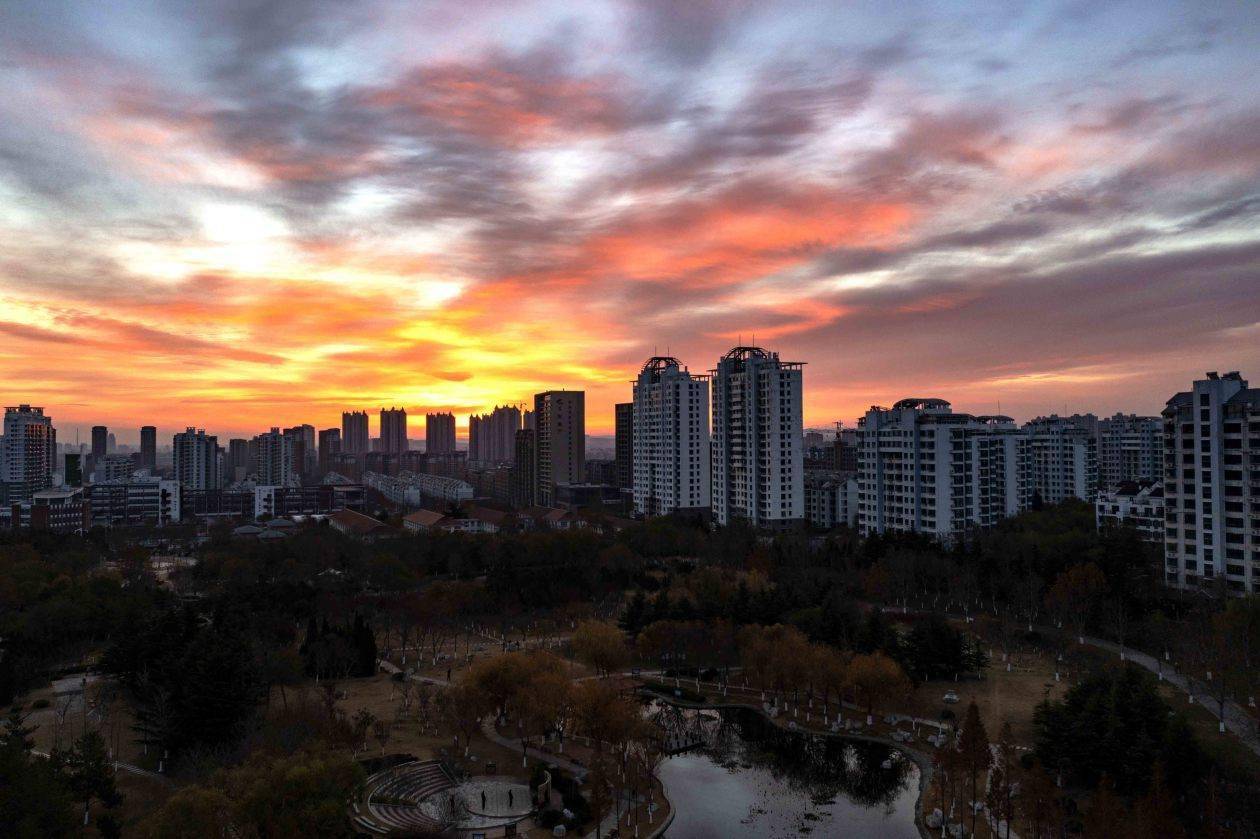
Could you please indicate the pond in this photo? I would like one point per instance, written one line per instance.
(751, 778)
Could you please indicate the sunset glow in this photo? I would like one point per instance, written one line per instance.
(238, 216)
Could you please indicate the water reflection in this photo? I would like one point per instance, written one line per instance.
(752, 778)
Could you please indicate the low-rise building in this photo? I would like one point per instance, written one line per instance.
(133, 503)
(1137, 505)
(358, 526)
(410, 489)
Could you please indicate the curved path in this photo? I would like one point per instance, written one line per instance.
(1236, 718)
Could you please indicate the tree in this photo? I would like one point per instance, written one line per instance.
(877, 679)
(89, 772)
(1116, 723)
(1002, 783)
(363, 720)
(1075, 594)
(1154, 811)
(462, 706)
(192, 812)
(35, 800)
(303, 794)
(1107, 816)
(600, 645)
(973, 746)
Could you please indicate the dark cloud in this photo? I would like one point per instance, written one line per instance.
(686, 33)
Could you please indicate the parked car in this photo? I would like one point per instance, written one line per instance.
(951, 697)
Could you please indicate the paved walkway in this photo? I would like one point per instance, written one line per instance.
(1237, 721)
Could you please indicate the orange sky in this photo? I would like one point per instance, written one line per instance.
(240, 219)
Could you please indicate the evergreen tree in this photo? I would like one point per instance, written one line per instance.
(973, 746)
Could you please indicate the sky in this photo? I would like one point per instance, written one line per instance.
(239, 215)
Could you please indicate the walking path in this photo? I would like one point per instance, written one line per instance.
(1237, 720)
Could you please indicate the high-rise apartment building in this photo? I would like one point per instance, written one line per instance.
(277, 463)
(148, 447)
(100, 441)
(623, 444)
(670, 438)
(521, 482)
(237, 462)
(329, 447)
(1062, 459)
(439, 433)
(394, 430)
(757, 464)
(1130, 450)
(923, 468)
(354, 432)
(303, 437)
(1212, 485)
(196, 459)
(492, 437)
(559, 442)
(28, 455)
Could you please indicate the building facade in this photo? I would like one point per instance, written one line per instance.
(1130, 450)
(831, 498)
(559, 442)
(1129, 504)
(196, 459)
(757, 464)
(670, 416)
(148, 447)
(439, 433)
(623, 444)
(394, 430)
(1212, 485)
(492, 436)
(354, 432)
(923, 468)
(1063, 459)
(276, 459)
(133, 503)
(28, 452)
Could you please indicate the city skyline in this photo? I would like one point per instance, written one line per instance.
(245, 216)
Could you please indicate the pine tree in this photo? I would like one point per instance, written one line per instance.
(973, 745)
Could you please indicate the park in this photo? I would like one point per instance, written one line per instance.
(640, 683)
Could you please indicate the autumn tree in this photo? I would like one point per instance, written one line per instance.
(462, 707)
(877, 679)
(599, 645)
(1075, 595)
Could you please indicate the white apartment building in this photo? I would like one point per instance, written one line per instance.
(1140, 506)
(28, 452)
(1212, 485)
(831, 498)
(1063, 460)
(925, 469)
(756, 449)
(133, 502)
(196, 459)
(277, 462)
(670, 439)
(1130, 449)
(413, 488)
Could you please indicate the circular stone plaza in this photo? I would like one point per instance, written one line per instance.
(420, 797)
